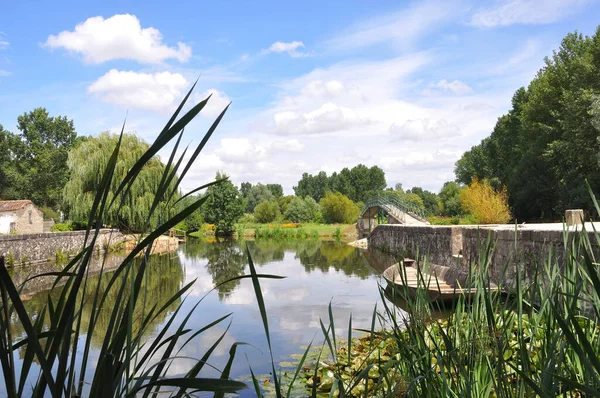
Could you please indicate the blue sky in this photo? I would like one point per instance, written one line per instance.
(408, 86)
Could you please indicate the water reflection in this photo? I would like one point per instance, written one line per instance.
(317, 273)
(165, 278)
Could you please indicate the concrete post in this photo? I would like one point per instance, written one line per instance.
(573, 217)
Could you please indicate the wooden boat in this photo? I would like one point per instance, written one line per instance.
(441, 283)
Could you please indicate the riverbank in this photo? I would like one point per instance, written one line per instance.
(344, 232)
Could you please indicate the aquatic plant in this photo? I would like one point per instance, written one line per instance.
(541, 338)
(56, 360)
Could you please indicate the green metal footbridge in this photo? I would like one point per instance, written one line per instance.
(388, 209)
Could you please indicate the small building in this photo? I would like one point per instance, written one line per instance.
(20, 217)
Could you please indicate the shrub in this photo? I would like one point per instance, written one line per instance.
(50, 213)
(484, 203)
(266, 211)
(61, 227)
(247, 218)
(337, 208)
(303, 210)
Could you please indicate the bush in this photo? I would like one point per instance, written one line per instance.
(50, 213)
(337, 208)
(266, 211)
(485, 204)
(303, 210)
(247, 218)
(61, 228)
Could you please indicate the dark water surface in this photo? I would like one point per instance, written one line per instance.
(316, 272)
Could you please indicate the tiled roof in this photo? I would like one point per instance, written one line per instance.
(12, 205)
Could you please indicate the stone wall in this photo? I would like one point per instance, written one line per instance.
(459, 246)
(441, 243)
(44, 246)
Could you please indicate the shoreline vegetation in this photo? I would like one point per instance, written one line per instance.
(345, 232)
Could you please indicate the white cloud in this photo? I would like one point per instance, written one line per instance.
(423, 130)
(157, 92)
(328, 118)
(457, 87)
(240, 150)
(217, 102)
(319, 88)
(3, 44)
(401, 28)
(118, 37)
(291, 145)
(291, 48)
(509, 12)
(5, 73)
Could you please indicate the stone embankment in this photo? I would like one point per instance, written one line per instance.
(32, 248)
(461, 245)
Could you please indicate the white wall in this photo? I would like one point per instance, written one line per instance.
(5, 219)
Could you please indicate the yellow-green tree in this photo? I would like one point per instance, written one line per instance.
(487, 205)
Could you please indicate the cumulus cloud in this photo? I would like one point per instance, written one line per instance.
(291, 48)
(292, 145)
(217, 102)
(457, 87)
(423, 129)
(157, 91)
(510, 12)
(320, 88)
(119, 37)
(240, 150)
(422, 160)
(3, 43)
(5, 73)
(326, 119)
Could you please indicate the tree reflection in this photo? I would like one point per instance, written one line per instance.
(165, 277)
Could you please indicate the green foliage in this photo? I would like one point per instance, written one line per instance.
(10, 260)
(303, 210)
(61, 227)
(276, 190)
(247, 218)
(33, 163)
(450, 199)
(92, 155)
(487, 205)
(414, 199)
(224, 206)
(49, 213)
(358, 183)
(546, 145)
(257, 194)
(337, 208)
(429, 199)
(266, 211)
(283, 202)
(194, 221)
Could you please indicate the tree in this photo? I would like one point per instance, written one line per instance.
(276, 190)
(313, 186)
(256, 194)
(266, 211)
(303, 210)
(6, 165)
(245, 188)
(338, 208)
(484, 203)
(38, 157)
(283, 202)
(428, 199)
(546, 146)
(86, 164)
(224, 206)
(450, 199)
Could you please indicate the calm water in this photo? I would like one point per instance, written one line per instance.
(316, 272)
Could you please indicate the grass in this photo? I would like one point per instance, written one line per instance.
(56, 359)
(314, 230)
(540, 339)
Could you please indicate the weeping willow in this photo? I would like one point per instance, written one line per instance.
(86, 163)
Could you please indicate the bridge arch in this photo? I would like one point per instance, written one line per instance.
(394, 209)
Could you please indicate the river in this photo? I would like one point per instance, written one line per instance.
(316, 273)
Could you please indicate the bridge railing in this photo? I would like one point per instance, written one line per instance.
(392, 201)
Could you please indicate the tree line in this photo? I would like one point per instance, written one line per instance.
(548, 144)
